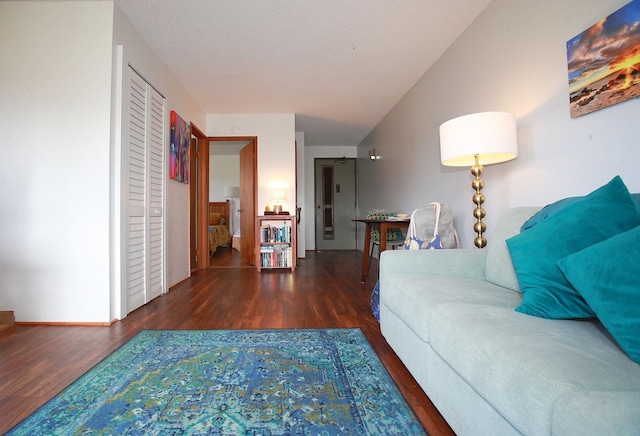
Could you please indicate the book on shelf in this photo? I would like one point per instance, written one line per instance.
(272, 234)
(275, 256)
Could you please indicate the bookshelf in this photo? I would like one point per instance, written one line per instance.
(276, 242)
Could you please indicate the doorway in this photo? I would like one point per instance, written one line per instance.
(233, 163)
(335, 203)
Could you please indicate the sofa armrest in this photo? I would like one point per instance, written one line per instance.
(465, 263)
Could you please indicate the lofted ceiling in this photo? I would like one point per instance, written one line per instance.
(340, 66)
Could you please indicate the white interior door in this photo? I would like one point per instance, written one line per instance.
(144, 169)
(155, 195)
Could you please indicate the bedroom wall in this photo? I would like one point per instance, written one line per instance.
(512, 58)
(224, 172)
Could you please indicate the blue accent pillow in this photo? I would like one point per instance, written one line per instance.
(553, 208)
(605, 275)
(605, 212)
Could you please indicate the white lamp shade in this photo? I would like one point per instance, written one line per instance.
(232, 191)
(490, 135)
(278, 195)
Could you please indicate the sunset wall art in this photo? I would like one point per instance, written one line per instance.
(604, 62)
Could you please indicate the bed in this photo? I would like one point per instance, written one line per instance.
(219, 235)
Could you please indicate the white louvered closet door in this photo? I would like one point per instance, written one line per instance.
(145, 275)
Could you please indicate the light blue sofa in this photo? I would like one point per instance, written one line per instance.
(449, 315)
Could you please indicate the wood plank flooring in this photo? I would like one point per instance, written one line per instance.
(37, 362)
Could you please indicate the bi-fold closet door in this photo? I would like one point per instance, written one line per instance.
(144, 170)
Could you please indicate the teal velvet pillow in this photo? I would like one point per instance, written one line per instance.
(547, 211)
(605, 275)
(555, 207)
(605, 212)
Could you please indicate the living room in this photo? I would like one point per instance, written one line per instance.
(511, 58)
(57, 250)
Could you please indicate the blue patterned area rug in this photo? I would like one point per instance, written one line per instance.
(232, 382)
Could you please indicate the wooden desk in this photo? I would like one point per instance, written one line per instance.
(383, 225)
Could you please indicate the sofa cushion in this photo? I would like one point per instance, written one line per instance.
(618, 413)
(605, 274)
(498, 266)
(412, 297)
(523, 365)
(605, 212)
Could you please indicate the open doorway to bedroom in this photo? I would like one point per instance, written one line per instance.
(232, 171)
(238, 211)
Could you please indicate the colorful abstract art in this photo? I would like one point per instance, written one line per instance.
(179, 152)
(604, 62)
(232, 382)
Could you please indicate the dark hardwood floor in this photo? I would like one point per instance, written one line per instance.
(37, 362)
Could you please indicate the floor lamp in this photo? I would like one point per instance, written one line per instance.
(232, 192)
(475, 140)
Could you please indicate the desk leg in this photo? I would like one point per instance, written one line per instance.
(365, 257)
(383, 238)
(383, 243)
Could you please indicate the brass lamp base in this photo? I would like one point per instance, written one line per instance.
(478, 199)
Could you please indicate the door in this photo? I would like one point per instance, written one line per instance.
(248, 194)
(193, 202)
(144, 164)
(335, 200)
(199, 198)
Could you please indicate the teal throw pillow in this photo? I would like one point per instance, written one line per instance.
(555, 207)
(547, 211)
(605, 212)
(605, 275)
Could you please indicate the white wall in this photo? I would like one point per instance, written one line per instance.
(301, 177)
(224, 172)
(276, 149)
(55, 97)
(59, 132)
(512, 58)
(308, 212)
(138, 54)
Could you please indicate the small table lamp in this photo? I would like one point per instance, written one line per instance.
(278, 197)
(469, 140)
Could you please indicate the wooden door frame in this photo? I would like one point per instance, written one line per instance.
(203, 186)
(200, 190)
(248, 208)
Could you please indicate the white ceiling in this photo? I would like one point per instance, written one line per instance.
(339, 65)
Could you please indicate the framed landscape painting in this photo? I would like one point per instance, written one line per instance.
(604, 62)
(179, 151)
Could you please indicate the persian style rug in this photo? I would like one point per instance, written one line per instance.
(232, 382)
